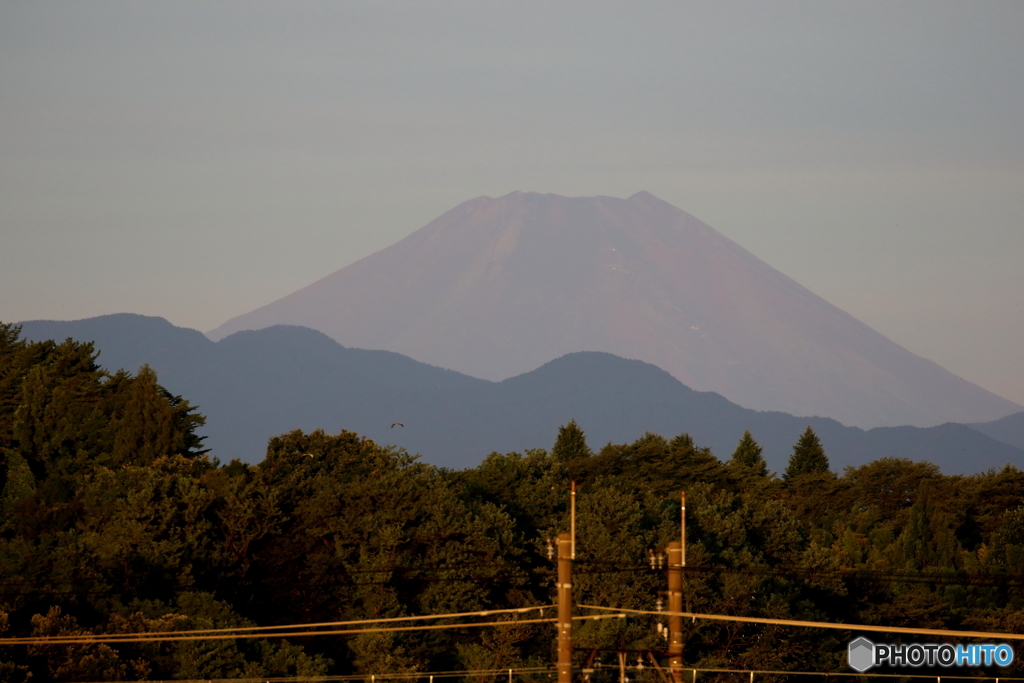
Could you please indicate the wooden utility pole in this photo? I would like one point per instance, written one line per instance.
(682, 517)
(572, 518)
(564, 608)
(675, 605)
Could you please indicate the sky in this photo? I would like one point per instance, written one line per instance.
(196, 160)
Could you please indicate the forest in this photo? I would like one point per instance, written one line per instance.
(114, 519)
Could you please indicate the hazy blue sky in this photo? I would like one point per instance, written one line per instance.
(197, 160)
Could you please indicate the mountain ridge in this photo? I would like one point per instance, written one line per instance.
(495, 287)
(257, 384)
(1009, 429)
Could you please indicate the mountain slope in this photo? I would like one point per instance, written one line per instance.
(254, 385)
(496, 287)
(1009, 429)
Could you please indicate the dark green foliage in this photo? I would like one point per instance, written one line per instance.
(652, 464)
(571, 444)
(19, 482)
(151, 423)
(808, 457)
(62, 413)
(747, 460)
(114, 521)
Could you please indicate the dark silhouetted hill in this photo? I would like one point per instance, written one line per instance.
(1009, 429)
(256, 384)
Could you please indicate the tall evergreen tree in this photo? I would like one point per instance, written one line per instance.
(747, 457)
(152, 423)
(808, 457)
(570, 444)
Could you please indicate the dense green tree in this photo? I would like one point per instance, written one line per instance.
(1008, 541)
(152, 423)
(60, 418)
(890, 484)
(571, 444)
(62, 412)
(747, 459)
(531, 487)
(808, 457)
(654, 464)
(79, 662)
(692, 463)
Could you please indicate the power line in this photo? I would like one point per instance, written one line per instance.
(818, 624)
(76, 640)
(140, 638)
(385, 620)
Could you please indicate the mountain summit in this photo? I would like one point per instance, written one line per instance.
(497, 287)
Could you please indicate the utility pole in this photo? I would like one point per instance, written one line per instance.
(572, 518)
(682, 526)
(675, 606)
(564, 608)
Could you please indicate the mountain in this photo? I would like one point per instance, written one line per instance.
(496, 287)
(1009, 429)
(256, 384)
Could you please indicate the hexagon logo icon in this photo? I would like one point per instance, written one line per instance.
(861, 654)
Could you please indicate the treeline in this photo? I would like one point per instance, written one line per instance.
(114, 519)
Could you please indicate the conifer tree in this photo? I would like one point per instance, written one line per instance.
(747, 457)
(571, 443)
(146, 428)
(9, 333)
(808, 457)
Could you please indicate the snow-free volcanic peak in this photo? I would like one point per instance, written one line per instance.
(497, 287)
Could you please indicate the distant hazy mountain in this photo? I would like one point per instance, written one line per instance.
(253, 385)
(1009, 429)
(496, 287)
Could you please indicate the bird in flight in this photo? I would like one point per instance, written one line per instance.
(397, 424)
